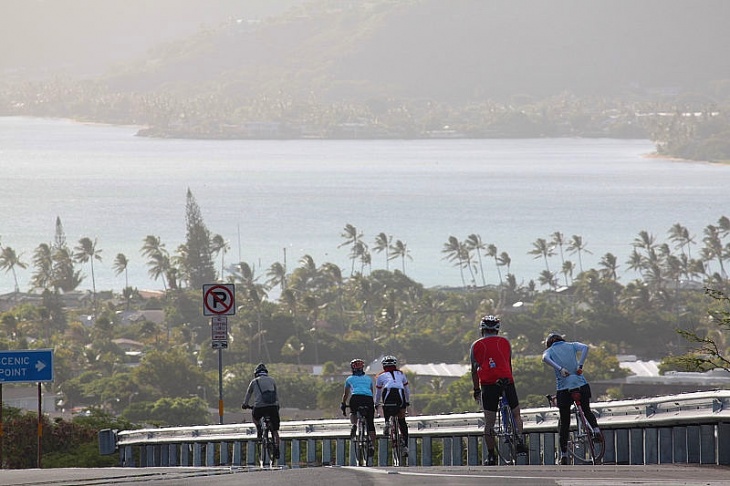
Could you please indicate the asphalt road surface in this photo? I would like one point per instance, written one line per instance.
(658, 475)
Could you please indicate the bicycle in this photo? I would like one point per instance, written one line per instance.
(397, 448)
(265, 444)
(507, 435)
(361, 441)
(584, 444)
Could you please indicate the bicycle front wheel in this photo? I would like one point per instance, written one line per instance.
(584, 449)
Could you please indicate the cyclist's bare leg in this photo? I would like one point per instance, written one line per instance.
(489, 419)
(518, 418)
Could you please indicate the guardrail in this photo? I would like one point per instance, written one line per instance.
(685, 428)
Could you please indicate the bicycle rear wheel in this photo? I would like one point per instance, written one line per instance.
(395, 445)
(506, 436)
(361, 444)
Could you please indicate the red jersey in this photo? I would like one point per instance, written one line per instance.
(492, 357)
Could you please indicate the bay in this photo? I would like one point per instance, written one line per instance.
(279, 200)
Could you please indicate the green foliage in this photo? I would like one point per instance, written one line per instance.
(711, 349)
(169, 412)
(64, 443)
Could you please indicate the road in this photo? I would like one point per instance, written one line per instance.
(657, 475)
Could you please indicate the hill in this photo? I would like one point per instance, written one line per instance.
(420, 49)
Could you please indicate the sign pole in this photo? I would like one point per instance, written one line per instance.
(40, 426)
(2, 432)
(220, 385)
(219, 302)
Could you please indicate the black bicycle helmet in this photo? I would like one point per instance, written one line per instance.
(260, 370)
(489, 322)
(553, 337)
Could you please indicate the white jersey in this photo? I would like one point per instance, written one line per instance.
(391, 380)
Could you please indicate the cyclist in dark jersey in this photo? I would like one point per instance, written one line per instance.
(266, 402)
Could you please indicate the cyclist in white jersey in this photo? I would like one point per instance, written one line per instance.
(391, 385)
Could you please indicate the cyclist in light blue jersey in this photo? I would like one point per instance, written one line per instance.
(359, 393)
(567, 359)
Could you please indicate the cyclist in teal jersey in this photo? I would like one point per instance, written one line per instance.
(359, 393)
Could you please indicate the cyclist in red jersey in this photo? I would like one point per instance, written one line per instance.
(491, 373)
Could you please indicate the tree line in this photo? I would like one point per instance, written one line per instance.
(323, 316)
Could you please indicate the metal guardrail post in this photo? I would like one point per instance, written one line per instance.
(224, 453)
(707, 444)
(296, 453)
(185, 450)
(549, 446)
(651, 446)
(237, 454)
(426, 451)
(665, 445)
(723, 444)
(250, 452)
(326, 452)
(693, 444)
(622, 446)
(197, 454)
(340, 452)
(679, 437)
(164, 455)
(210, 454)
(311, 452)
(636, 446)
(446, 454)
(412, 451)
(472, 451)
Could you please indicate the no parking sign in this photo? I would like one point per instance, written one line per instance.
(219, 299)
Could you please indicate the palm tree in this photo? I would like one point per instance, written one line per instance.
(352, 237)
(474, 243)
(492, 252)
(609, 262)
(455, 252)
(714, 248)
(277, 276)
(558, 240)
(680, 235)
(121, 263)
(86, 252)
(548, 278)
(400, 250)
(382, 244)
(577, 245)
(541, 249)
(158, 258)
(8, 261)
(219, 246)
(504, 260)
(567, 270)
(43, 263)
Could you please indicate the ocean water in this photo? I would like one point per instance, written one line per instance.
(280, 200)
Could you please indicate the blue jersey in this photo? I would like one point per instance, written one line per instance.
(360, 385)
(564, 354)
